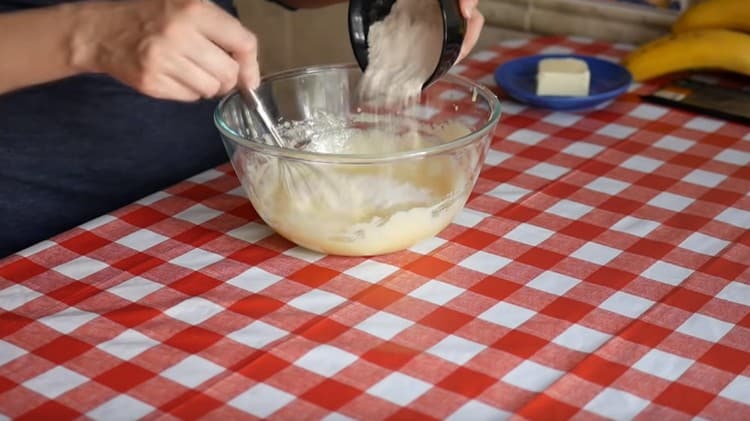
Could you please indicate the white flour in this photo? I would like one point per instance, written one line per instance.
(404, 50)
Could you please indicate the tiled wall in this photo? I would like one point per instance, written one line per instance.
(310, 37)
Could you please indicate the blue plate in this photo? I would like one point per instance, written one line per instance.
(518, 79)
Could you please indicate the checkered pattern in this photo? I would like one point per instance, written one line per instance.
(600, 269)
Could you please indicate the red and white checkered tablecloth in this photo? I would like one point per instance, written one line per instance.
(600, 270)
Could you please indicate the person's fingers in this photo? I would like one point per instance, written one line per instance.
(468, 7)
(183, 70)
(200, 51)
(230, 35)
(473, 29)
(249, 76)
(214, 61)
(227, 32)
(167, 87)
(160, 79)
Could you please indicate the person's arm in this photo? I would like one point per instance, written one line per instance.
(173, 49)
(35, 46)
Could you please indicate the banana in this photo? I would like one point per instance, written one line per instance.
(715, 49)
(724, 14)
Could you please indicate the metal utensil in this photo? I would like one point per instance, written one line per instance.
(308, 183)
(264, 115)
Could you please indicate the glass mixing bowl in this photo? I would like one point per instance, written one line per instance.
(352, 178)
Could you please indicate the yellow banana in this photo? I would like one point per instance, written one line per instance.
(716, 49)
(708, 14)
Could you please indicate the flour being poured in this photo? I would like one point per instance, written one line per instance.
(404, 50)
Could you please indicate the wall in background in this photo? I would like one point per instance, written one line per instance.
(313, 37)
(295, 39)
(601, 19)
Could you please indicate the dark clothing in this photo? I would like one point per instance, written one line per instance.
(75, 149)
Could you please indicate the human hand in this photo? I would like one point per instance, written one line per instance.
(171, 49)
(474, 23)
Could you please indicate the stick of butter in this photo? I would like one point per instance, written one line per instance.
(563, 77)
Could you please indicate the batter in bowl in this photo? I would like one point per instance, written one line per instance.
(363, 210)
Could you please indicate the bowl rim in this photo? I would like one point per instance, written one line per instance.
(300, 155)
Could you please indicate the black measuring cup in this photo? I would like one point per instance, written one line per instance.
(364, 13)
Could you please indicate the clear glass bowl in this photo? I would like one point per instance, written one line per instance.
(353, 179)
